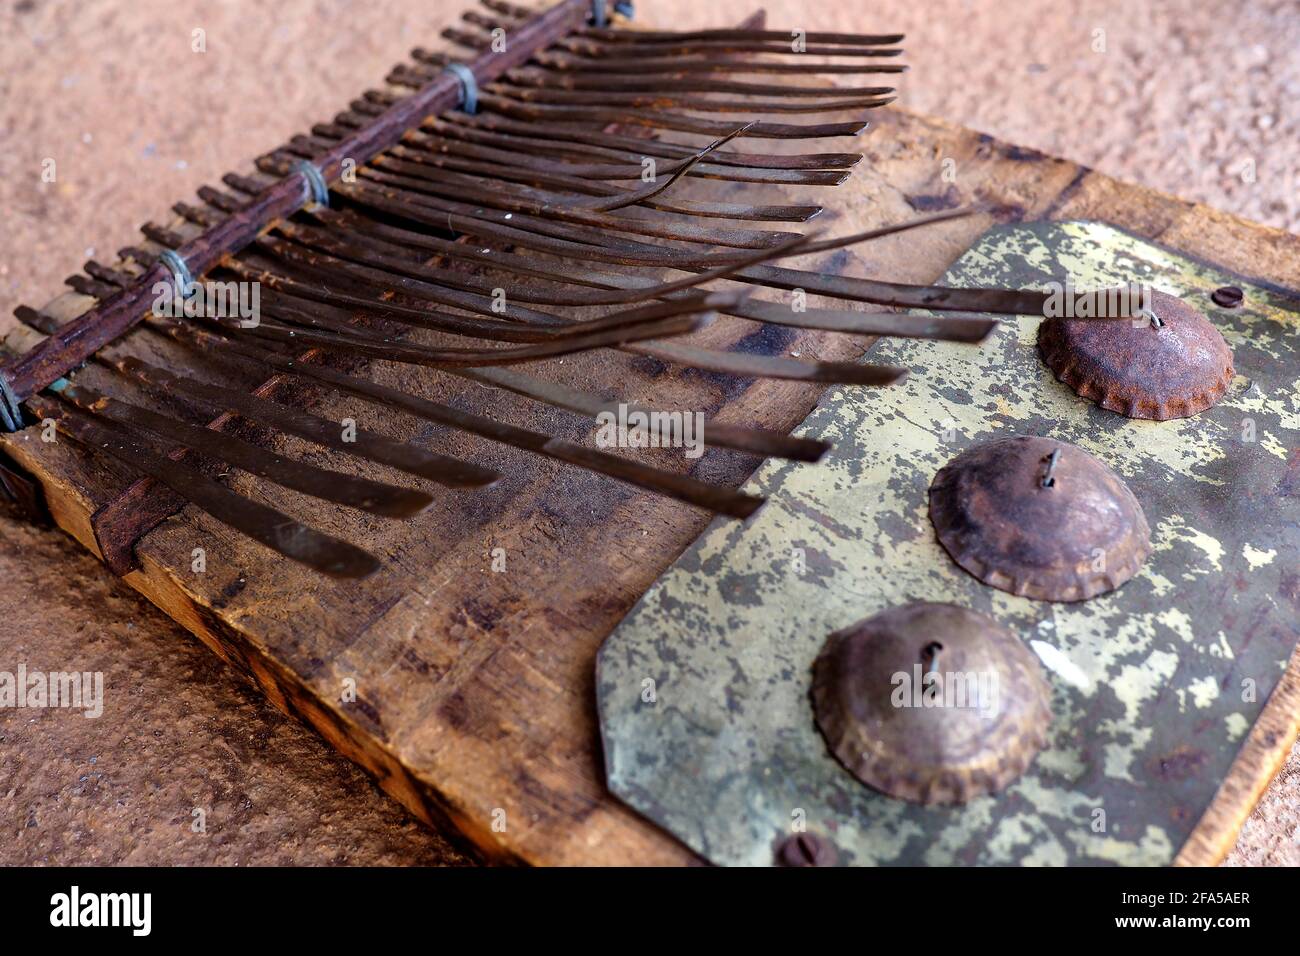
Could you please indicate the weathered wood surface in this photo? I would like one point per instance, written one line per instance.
(474, 688)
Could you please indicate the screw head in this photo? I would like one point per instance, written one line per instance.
(806, 849)
(1228, 296)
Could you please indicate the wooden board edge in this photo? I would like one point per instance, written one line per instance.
(290, 695)
(1260, 758)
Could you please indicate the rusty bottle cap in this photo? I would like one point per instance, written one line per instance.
(1039, 518)
(988, 715)
(1173, 365)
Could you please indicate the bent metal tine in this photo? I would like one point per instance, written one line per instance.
(572, 133)
(629, 288)
(601, 248)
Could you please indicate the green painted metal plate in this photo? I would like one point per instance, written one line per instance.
(703, 688)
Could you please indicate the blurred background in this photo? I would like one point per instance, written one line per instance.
(1193, 97)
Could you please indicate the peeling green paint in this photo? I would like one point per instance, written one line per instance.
(1146, 681)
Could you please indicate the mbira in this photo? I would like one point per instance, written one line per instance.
(416, 408)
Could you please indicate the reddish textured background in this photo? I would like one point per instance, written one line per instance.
(1195, 97)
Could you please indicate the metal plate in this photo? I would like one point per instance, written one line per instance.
(703, 688)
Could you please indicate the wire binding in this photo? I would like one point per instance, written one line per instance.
(180, 272)
(11, 415)
(468, 86)
(320, 190)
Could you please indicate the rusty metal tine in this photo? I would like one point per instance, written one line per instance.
(276, 530)
(577, 159)
(219, 200)
(368, 445)
(530, 76)
(430, 57)
(676, 66)
(436, 188)
(755, 441)
(471, 41)
(483, 21)
(603, 249)
(373, 250)
(962, 328)
(655, 119)
(557, 329)
(544, 234)
(514, 11)
(194, 214)
(427, 150)
(546, 327)
(746, 365)
(691, 36)
(679, 487)
(424, 150)
(660, 99)
(366, 107)
(29, 373)
(365, 444)
(459, 358)
(105, 274)
(422, 186)
(364, 494)
(574, 133)
(761, 365)
(655, 188)
(594, 50)
(96, 290)
(535, 174)
(371, 300)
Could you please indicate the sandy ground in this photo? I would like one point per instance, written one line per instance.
(1195, 97)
